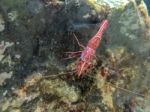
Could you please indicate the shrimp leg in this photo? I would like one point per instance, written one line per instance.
(73, 54)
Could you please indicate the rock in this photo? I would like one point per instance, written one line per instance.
(4, 76)
(12, 105)
(3, 46)
(35, 6)
(140, 104)
(128, 28)
(123, 30)
(134, 27)
(117, 51)
(5, 106)
(16, 110)
(32, 32)
(2, 23)
(132, 37)
(113, 4)
(12, 16)
(60, 88)
(39, 109)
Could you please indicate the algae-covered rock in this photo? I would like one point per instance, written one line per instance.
(2, 23)
(35, 6)
(12, 16)
(60, 88)
(117, 51)
(4, 45)
(20, 96)
(4, 76)
(97, 7)
(128, 28)
(11, 105)
(114, 4)
(34, 34)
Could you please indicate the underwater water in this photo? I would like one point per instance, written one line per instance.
(74, 56)
(147, 2)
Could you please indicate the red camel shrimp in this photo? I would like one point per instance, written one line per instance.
(88, 54)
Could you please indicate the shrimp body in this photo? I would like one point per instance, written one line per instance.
(89, 51)
(88, 54)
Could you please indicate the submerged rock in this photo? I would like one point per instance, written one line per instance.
(35, 6)
(4, 76)
(117, 4)
(117, 51)
(2, 23)
(35, 32)
(12, 16)
(59, 88)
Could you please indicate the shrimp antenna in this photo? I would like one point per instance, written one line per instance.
(78, 41)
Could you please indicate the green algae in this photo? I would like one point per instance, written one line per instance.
(11, 3)
(60, 89)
